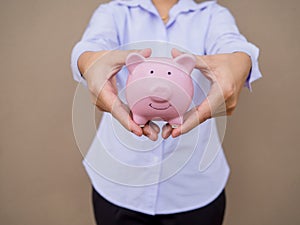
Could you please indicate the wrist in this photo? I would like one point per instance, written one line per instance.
(245, 59)
(86, 60)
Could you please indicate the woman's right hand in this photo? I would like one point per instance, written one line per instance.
(99, 70)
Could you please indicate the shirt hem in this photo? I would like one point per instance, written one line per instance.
(174, 211)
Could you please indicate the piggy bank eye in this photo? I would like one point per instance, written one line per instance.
(169, 73)
(151, 72)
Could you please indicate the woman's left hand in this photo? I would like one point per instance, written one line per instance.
(227, 73)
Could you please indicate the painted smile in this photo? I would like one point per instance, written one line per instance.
(159, 108)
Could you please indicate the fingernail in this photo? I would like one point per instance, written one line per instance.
(175, 134)
(136, 133)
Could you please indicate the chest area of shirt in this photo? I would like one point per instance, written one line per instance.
(186, 31)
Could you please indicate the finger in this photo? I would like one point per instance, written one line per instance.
(166, 131)
(175, 52)
(191, 120)
(154, 126)
(215, 101)
(219, 114)
(121, 112)
(119, 56)
(150, 130)
(213, 105)
(202, 63)
(106, 97)
(145, 52)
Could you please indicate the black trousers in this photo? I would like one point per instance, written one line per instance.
(107, 213)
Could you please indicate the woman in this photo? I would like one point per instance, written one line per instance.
(226, 61)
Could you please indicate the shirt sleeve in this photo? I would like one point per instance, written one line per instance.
(100, 34)
(224, 37)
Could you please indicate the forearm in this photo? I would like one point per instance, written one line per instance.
(224, 37)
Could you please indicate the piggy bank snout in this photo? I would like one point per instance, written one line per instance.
(161, 93)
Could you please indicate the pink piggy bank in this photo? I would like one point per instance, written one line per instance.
(159, 88)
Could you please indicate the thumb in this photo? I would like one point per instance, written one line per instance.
(202, 62)
(204, 65)
(145, 52)
(119, 56)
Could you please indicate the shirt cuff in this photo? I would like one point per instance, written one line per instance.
(253, 52)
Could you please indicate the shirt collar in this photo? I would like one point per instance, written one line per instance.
(191, 5)
(181, 6)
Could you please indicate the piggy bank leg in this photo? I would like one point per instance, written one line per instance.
(140, 120)
(175, 122)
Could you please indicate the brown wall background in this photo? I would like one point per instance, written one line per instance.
(42, 179)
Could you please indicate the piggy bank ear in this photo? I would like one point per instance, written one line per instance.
(186, 61)
(132, 60)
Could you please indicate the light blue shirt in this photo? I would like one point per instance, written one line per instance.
(173, 175)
